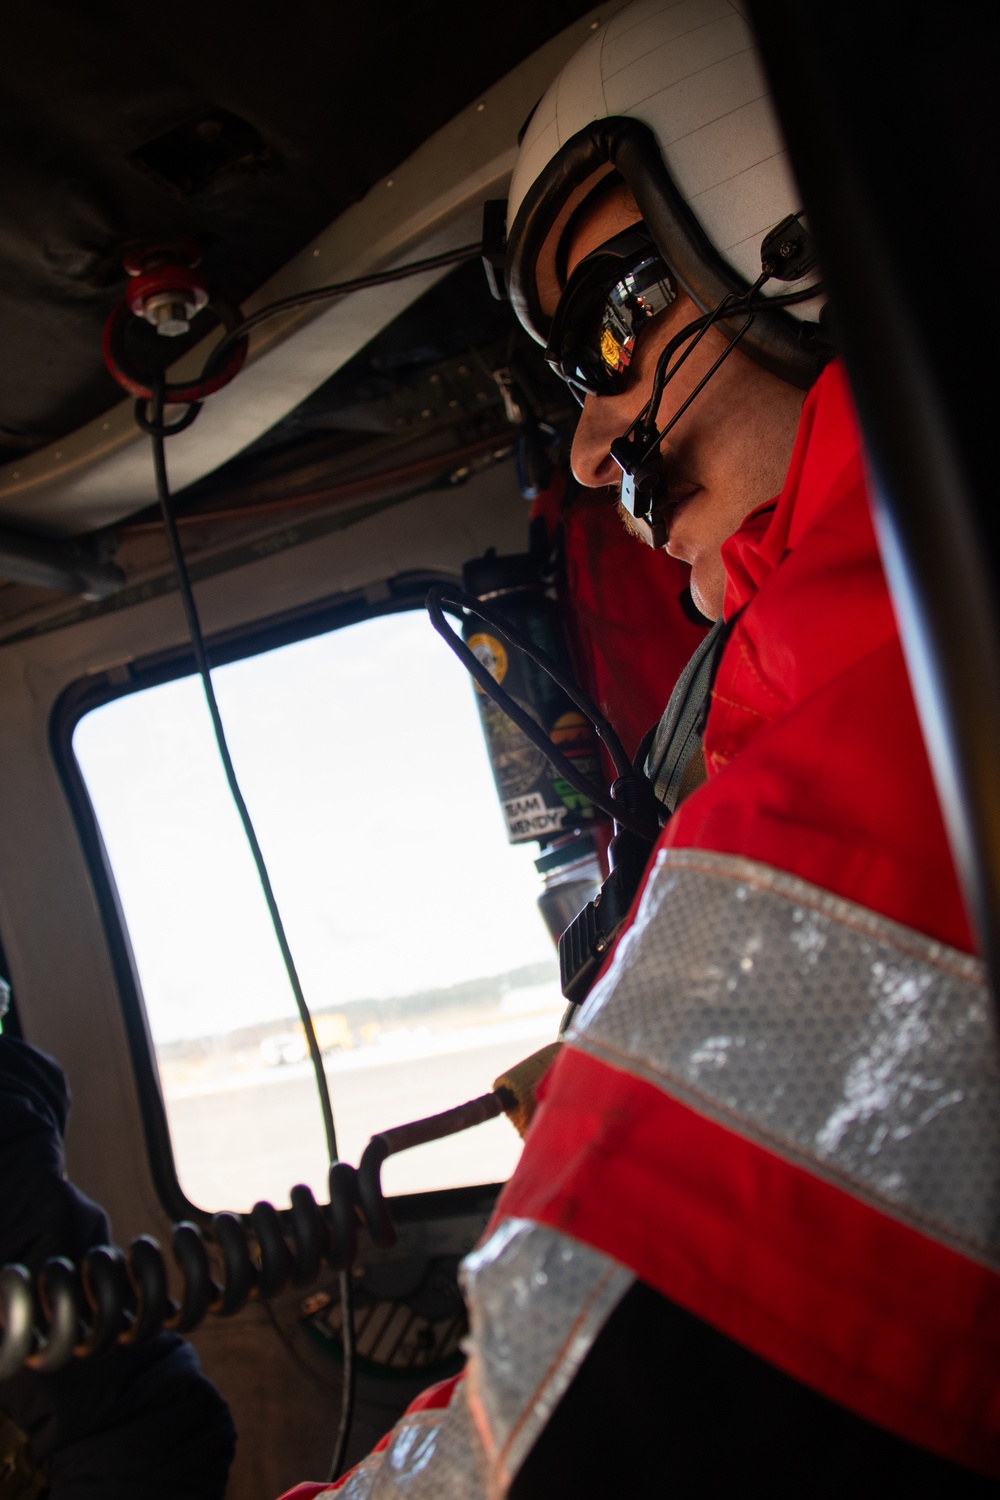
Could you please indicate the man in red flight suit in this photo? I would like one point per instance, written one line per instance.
(753, 1237)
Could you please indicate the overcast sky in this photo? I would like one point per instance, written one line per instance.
(362, 761)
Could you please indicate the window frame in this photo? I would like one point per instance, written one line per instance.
(392, 596)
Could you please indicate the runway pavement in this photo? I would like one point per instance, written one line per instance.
(236, 1145)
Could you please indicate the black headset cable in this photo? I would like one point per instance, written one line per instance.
(443, 595)
(315, 294)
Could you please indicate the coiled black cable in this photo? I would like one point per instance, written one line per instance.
(79, 1312)
(112, 1298)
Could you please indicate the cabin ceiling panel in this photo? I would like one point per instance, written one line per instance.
(331, 149)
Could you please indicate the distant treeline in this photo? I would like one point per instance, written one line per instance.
(472, 995)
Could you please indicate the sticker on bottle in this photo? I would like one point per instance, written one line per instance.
(490, 653)
(531, 817)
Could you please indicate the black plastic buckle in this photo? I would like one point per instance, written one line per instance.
(586, 941)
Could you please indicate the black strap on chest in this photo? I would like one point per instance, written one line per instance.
(674, 761)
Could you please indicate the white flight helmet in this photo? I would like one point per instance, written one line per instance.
(671, 95)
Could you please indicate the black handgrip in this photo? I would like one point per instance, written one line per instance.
(373, 1204)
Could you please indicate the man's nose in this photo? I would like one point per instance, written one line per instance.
(600, 423)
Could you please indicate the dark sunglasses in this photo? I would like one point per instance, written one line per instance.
(610, 297)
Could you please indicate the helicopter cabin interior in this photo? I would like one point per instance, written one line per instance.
(366, 446)
(365, 451)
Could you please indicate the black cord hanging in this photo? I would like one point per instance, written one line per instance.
(226, 358)
(627, 804)
(647, 436)
(158, 431)
(221, 365)
(335, 289)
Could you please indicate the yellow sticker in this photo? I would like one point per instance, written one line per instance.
(611, 350)
(570, 729)
(488, 650)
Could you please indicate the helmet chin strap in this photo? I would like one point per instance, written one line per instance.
(787, 254)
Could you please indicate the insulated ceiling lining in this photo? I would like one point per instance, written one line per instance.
(98, 473)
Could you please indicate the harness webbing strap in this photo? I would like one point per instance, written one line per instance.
(675, 753)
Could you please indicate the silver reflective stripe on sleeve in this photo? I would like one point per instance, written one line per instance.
(537, 1301)
(358, 1484)
(847, 1043)
(433, 1455)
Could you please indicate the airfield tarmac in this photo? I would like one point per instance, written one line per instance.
(234, 1145)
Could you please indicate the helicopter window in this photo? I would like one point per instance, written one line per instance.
(413, 923)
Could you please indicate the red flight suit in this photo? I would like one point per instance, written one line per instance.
(780, 1106)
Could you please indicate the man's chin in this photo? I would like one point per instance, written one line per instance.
(708, 589)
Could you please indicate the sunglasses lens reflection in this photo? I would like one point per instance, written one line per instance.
(610, 297)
